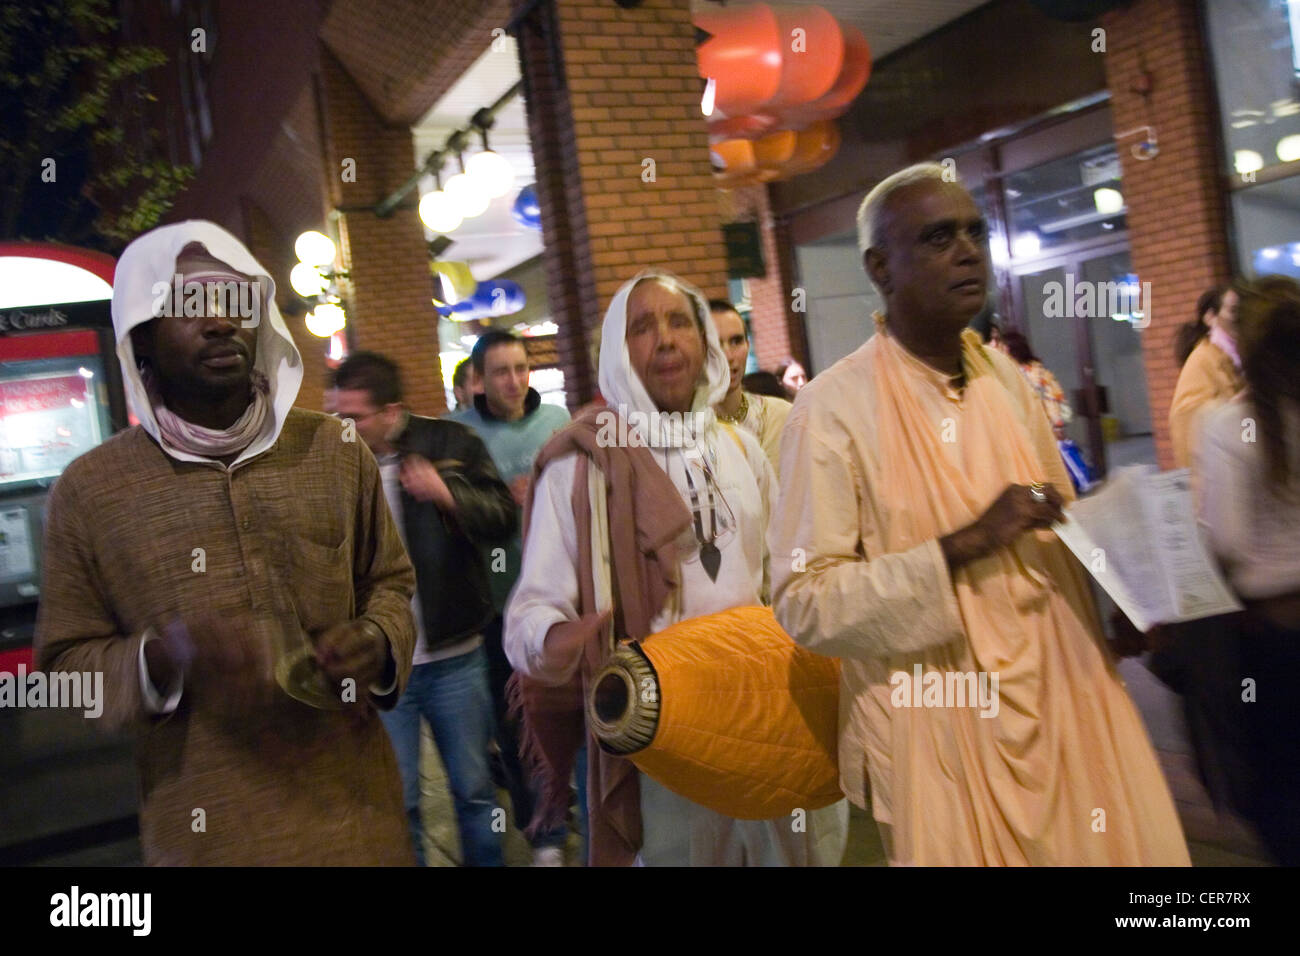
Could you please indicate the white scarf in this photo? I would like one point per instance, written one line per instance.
(211, 442)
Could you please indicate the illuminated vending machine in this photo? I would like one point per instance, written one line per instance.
(62, 780)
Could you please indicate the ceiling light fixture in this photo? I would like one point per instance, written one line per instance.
(439, 211)
(455, 144)
(465, 193)
(491, 170)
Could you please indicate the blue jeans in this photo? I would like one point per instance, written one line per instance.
(452, 695)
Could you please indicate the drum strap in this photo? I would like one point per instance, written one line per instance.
(602, 551)
(731, 430)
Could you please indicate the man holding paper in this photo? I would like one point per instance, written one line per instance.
(919, 476)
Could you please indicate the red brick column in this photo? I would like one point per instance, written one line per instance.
(777, 332)
(624, 89)
(1176, 200)
(389, 292)
(275, 252)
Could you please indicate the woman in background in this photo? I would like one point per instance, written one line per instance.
(1248, 470)
(792, 376)
(1211, 371)
(1015, 344)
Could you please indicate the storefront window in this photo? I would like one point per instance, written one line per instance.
(1256, 50)
(1257, 67)
(1267, 219)
(1065, 201)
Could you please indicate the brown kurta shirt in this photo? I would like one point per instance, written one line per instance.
(303, 526)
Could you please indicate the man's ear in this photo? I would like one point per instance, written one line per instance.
(142, 340)
(877, 269)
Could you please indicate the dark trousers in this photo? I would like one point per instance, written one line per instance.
(1202, 662)
(1237, 674)
(523, 794)
(1271, 655)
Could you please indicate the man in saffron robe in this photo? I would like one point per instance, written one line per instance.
(919, 478)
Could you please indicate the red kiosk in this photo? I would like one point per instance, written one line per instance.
(64, 783)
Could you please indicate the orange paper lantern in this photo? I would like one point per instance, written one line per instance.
(743, 58)
(812, 55)
(853, 77)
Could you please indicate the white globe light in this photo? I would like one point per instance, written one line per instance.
(710, 94)
(438, 211)
(469, 198)
(306, 281)
(315, 326)
(1247, 161)
(315, 249)
(326, 320)
(1288, 148)
(1108, 201)
(1026, 245)
(492, 172)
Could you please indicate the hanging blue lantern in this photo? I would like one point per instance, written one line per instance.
(527, 210)
(492, 298)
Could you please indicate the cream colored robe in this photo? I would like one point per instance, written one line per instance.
(765, 420)
(1207, 380)
(881, 458)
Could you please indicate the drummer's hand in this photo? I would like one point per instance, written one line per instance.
(355, 649)
(564, 642)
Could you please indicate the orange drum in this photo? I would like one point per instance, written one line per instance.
(727, 711)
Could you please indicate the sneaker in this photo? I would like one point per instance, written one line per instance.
(548, 856)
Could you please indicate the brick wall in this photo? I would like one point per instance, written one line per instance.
(275, 252)
(404, 54)
(566, 250)
(388, 295)
(1175, 203)
(628, 91)
(776, 332)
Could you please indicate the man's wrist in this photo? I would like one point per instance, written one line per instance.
(966, 545)
(445, 500)
(388, 668)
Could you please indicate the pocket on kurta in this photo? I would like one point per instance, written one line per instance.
(322, 581)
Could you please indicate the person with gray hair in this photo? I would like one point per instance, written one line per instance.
(662, 532)
(919, 478)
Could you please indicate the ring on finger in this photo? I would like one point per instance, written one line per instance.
(1036, 490)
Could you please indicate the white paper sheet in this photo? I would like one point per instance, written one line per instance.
(1139, 538)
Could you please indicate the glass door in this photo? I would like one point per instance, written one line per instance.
(1061, 345)
(1082, 312)
(1115, 357)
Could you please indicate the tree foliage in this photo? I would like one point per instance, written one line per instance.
(72, 92)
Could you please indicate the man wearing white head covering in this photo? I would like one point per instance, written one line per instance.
(661, 364)
(190, 557)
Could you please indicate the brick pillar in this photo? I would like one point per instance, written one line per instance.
(777, 329)
(275, 252)
(1175, 201)
(389, 292)
(607, 89)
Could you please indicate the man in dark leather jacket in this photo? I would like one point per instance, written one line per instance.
(448, 502)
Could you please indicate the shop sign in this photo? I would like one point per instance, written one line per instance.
(744, 250)
(18, 320)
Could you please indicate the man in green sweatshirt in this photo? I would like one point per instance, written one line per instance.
(514, 423)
